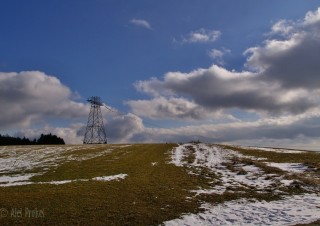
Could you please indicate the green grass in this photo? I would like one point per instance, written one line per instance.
(303, 157)
(149, 194)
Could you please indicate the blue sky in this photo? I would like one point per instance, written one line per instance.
(109, 47)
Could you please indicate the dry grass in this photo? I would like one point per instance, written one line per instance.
(149, 195)
(308, 158)
(316, 223)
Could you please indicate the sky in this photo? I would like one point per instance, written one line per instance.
(239, 72)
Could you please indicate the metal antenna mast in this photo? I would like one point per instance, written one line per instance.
(95, 133)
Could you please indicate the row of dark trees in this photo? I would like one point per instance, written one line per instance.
(44, 139)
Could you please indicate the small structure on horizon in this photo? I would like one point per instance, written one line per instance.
(95, 132)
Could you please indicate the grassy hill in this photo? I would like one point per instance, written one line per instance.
(143, 184)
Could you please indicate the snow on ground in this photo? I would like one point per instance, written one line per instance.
(177, 155)
(21, 158)
(254, 177)
(109, 178)
(7, 181)
(209, 156)
(291, 210)
(18, 163)
(279, 150)
(15, 178)
(289, 167)
(213, 157)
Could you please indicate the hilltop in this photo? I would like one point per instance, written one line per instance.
(152, 184)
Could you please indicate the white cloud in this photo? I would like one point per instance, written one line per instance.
(300, 131)
(141, 23)
(174, 108)
(202, 36)
(71, 134)
(280, 85)
(119, 129)
(282, 76)
(216, 88)
(122, 128)
(282, 27)
(312, 17)
(32, 96)
(218, 55)
(286, 131)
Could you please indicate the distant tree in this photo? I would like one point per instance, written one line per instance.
(44, 139)
(50, 139)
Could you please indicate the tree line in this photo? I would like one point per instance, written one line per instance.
(43, 139)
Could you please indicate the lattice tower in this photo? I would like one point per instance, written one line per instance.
(95, 132)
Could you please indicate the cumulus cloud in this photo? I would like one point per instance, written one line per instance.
(141, 23)
(280, 84)
(282, 76)
(312, 17)
(217, 55)
(201, 36)
(121, 129)
(285, 131)
(32, 96)
(173, 108)
(216, 88)
(292, 60)
(282, 27)
(31, 99)
(71, 135)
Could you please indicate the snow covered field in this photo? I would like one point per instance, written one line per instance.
(19, 164)
(290, 210)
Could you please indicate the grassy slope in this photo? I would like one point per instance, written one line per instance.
(149, 195)
(308, 158)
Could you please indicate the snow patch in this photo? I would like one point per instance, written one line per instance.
(211, 156)
(21, 158)
(278, 150)
(109, 178)
(58, 182)
(232, 175)
(177, 155)
(9, 181)
(291, 210)
(214, 157)
(287, 182)
(15, 178)
(289, 167)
